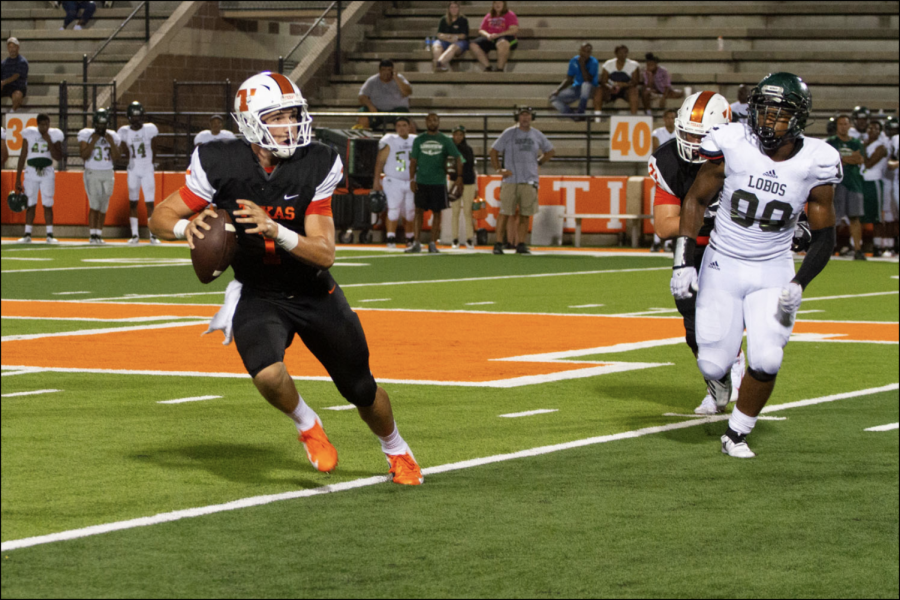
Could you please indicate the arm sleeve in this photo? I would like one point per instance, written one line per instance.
(545, 144)
(464, 26)
(818, 255)
(574, 69)
(485, 22)
(511, 19)
(443, 26)
(500, 143)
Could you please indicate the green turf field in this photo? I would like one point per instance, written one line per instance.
(621, 498)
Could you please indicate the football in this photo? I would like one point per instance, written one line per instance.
(212, 254)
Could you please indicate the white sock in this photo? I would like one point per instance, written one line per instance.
(49, 229)
(876, 242)
(409, 236)
(28, 229)
(391, 236)
(394, 444)
(134, 225)
(656, 239)
(740, 422)
(304, 417)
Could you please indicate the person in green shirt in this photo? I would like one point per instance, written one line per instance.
(428, 177)
(848, 194)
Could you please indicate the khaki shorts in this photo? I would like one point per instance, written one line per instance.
(523, 195)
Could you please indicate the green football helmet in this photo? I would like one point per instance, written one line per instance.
(135, 108)
(891, 126)
(17, 202)
(861, 112)
(101, 118)
(774, 94)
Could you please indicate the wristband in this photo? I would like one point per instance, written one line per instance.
(286, 238)
(178, 230)
(684, 252)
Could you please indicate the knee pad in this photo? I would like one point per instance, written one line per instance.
(360, 392)
(393, 214)
(765, 367)
(712, 370)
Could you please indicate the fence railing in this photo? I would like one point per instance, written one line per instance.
(337, 51)
(183, 121)
(85, 61)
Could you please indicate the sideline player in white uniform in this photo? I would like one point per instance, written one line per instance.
(393, 161)
(768, 171)
(138, 141)
(99, 149)
(890, 212)
(872, 171)
(214, 133)
(41, 145)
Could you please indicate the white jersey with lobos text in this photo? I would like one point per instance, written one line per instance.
(101, 158)
(397, 164)
(38, 147)
(762, 199)
(140, 152)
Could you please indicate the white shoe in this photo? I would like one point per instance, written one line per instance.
(391, 245)
(51, 239)
(77, 28)
(100, 241)
(470, 245)
(737, 375)
(134, 241)
(707, 407)
(25, 239)
(154, 241)
(455, 245)
(736, 449)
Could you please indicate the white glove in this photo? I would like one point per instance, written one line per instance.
(684, 282)
(789, 302)
(222, 320)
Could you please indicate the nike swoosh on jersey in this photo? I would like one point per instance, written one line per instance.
(286, 197)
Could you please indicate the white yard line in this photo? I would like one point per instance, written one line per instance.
(24, 258)
(36, 336)
(123, 320)
(888, 427)
(479, 303)
(70, 293)
(104, 267)
(35, 392)
(586, 305)
(192, 399)
(20, 371)
(528, 413)
(370, 481)
(851, 296)
(341, 407)
(376, 300)
(696, 416)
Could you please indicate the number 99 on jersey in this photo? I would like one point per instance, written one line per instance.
(630, 139)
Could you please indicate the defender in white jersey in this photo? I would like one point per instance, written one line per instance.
(393, 161)
(768, 171)
(41, 145)
(139, 145)
(99, 148)
(214, 133)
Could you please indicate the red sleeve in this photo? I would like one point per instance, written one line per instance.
(664, 197)
(320, 207)
(193, 201)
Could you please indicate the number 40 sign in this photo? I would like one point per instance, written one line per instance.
(630, 139)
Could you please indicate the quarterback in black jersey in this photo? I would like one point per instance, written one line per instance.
(276, 184)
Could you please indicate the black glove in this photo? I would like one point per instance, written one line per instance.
(802, 237)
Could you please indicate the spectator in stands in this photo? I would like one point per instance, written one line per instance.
(665, 133)
(739, 110)
(848, 194)
(73, 8)
(465, 196)
(14, 75)
(581, 80)
(385, 92)
(497, 32)
(524, 149)
(452, 38)
(657, 84)
(620, 78)
(214, 133)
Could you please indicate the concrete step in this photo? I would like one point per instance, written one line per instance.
(118, 13)
(114, 53)
(130, 32)
(795, 33)
(55, 23)
(479, 9)
(71, 70)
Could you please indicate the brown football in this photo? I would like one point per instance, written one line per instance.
(212, 254)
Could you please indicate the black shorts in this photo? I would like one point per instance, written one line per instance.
(432, 197)
(7, 90)
(265, 323)
(488, 45)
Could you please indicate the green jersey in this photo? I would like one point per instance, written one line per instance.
(430, 153)
(853, 180)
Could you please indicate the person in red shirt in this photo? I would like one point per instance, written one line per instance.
(497, 32)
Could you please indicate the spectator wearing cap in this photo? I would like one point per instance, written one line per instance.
(524, 149)
(581, 80)
(497, 32)
(214, 133)
(452, 38)
(657, 84)
(463, 198)
(387, 91)
(620, 77)
(73, 8)
(14, 75)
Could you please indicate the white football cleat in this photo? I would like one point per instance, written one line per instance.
(154, 240)
(737, 375)
(736, 449)
(25, 239)
(707, 407)
(134, 241)
(51, 239)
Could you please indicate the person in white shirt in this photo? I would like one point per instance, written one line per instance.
(393, 161)
(872, 171)
(138, 141)
(41, 145)
(739, 108)
(661, 135)
(891, 204)
(214, 133)
(99, 149)
(620, 77)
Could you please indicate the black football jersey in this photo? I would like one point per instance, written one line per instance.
(675, 177)
(226, 171)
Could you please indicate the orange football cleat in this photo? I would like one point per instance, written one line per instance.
(405, 469)
(319, 450)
